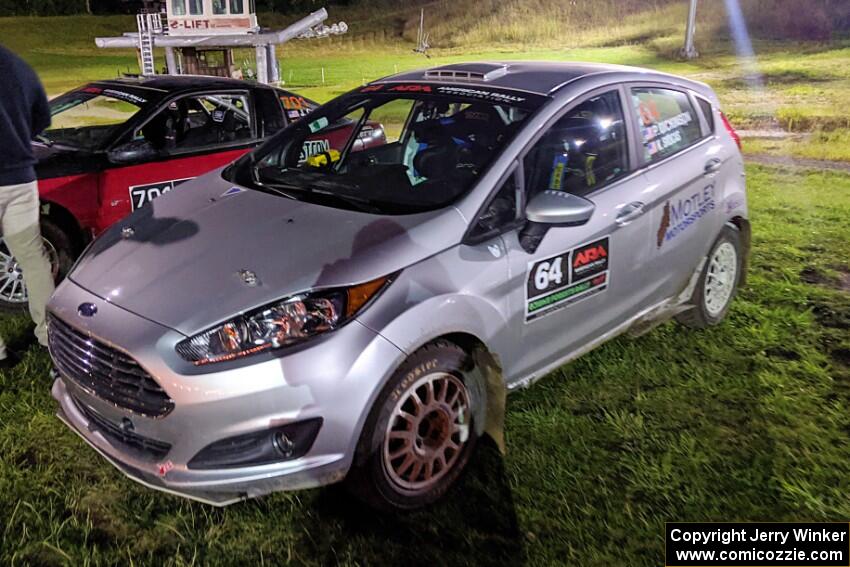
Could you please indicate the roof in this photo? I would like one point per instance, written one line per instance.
(539, 77)
(169, 83)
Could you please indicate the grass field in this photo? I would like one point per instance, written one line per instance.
(745, 421)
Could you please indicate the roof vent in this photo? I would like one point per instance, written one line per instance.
(468, 73)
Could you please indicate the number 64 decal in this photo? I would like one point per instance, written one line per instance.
(548, 273)
(563, 279)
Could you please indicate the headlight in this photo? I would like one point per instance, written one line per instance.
(283, 323)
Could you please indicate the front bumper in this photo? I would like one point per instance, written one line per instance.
(335, 379)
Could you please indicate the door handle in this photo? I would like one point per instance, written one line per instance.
(712, 166)
(630, 212)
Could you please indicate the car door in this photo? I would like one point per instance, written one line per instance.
(581, 281)
(191, 135)
(682, 163)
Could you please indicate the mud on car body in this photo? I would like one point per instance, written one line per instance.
(359, 313)
(116, 145)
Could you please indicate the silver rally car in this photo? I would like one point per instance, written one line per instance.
(326, 308)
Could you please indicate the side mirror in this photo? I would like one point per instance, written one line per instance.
(552, 208)
(137, 151)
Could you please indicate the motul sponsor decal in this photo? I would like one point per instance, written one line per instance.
(563, 279)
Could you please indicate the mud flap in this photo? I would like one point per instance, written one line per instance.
(488, 393)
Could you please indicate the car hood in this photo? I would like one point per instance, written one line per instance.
(177, 261)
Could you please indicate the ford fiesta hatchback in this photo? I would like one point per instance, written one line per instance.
(326, 308)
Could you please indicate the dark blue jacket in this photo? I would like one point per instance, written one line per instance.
(24, 113)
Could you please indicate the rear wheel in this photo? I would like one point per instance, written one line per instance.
(13, 288)
(419, 436)
(717, 283)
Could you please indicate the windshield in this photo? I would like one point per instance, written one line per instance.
(409, 148)
(87, 117)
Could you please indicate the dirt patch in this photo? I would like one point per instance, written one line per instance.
(844, 279)
(834, 317)
(803, 163)
(783, 353)
(813, 276)
(841, 356)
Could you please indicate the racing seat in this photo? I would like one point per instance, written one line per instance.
(568, 157)
(164, 130)
(229, 126)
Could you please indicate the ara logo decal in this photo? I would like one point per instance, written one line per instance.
(563, 279)
(411, 89)
(232, 191)
(590, 259)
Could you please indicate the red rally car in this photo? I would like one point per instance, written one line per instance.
(115, 145)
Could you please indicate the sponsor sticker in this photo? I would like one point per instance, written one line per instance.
(140, 195)
(480, 94)
(563, 279)
(125, 96)
(232, 191)
(679, 215)
(313, 147)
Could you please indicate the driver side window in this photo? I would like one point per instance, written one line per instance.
(583, 151)
(200, 121)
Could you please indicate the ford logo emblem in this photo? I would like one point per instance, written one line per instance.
(87, 309)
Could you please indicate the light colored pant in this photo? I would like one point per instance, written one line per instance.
(19, 210)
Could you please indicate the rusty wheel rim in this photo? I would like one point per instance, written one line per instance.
(428, 430)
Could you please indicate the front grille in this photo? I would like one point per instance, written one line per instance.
(150, 447)
(105, 372)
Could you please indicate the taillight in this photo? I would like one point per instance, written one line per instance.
(731, 130)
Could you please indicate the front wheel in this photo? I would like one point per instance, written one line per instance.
(13, 287)
(717, 283)
(419, 434)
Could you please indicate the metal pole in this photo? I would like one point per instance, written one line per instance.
(262, 64)
(171, 61)
(274, 70)
(689, 51)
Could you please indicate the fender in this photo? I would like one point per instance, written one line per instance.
(478, 327)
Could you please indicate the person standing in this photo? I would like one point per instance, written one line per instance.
(24, 114)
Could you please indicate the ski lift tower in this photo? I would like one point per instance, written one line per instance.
(199, 37)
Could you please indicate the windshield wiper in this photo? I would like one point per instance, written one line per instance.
(42, 139)
(361, 203)
(308, 187)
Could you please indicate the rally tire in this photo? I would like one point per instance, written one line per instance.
(384, 483)
(718, 282)
(60, 249)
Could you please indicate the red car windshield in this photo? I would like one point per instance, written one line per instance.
(87, 117)
(394, 150)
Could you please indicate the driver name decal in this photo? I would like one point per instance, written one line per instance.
(563, 279)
